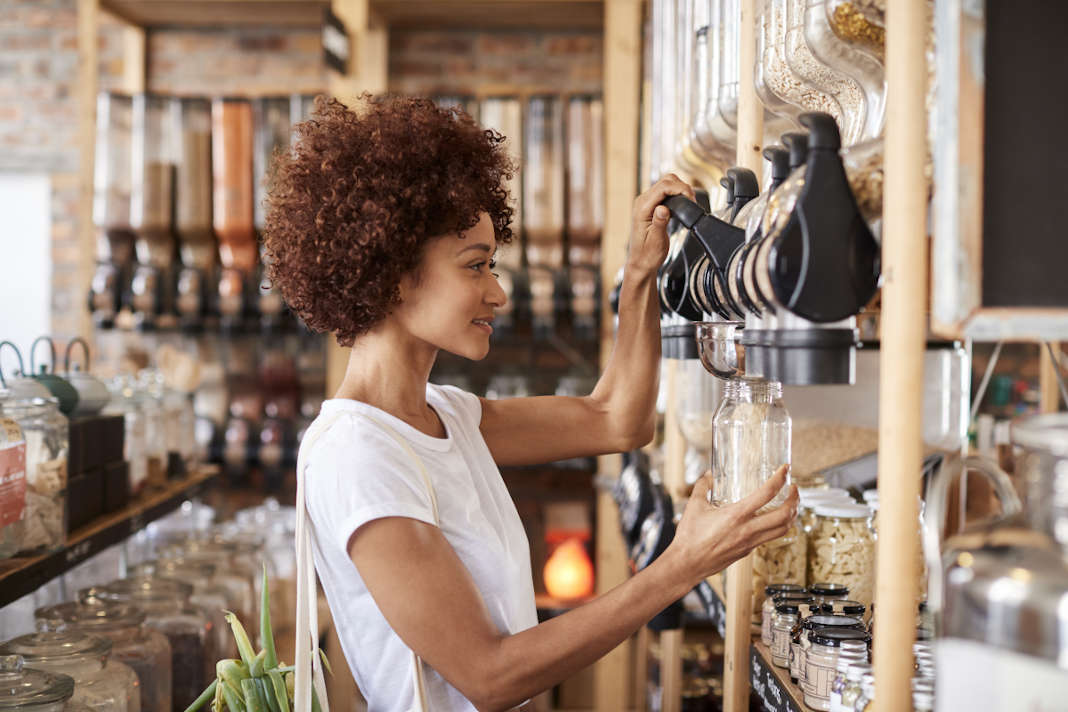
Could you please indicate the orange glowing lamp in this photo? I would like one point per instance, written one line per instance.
(569, 571)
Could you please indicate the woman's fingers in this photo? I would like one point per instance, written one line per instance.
(669, 184)
(702, 488)
(781, 516)
(767, 491)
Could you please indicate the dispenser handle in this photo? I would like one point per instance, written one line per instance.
(937, 495)
(822, 130)
(779, 158)
(70, 346)
(797, 145)
(745, 182)
(685, 210)
(51, 348)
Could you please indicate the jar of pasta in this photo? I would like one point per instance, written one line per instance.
(786, 617)
(783, 559)
(821, 662)
(842, 549)
(768, 608)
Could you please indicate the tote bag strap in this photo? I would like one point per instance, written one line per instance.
(307, 628)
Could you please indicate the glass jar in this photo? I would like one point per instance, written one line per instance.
(821, 661)
(27, 690)
(804, 601)
(800, 644)
(842, 548)
(543, 182)
(47, 435)
(124, 402)
(781, 559)
(828, 592)
(99, 683)
(844, 607)
(13, 493)
(233, 199)
(145, 650)
(193, 210)
(807, 505)
(841, 677)
(699, 398)
(236, 580)
(777, 75)
(188, 629)
(851, 689)
(150, 396)
(752, 439)
(786, 616)
(867, 693)
(768, 607)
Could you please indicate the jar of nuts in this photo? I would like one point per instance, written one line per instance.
(841, 548)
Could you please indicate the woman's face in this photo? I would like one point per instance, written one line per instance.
(451, 305)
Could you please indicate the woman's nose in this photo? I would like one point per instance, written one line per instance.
(496, 294)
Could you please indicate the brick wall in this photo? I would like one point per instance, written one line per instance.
(39, 103)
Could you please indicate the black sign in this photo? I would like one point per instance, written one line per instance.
(335, 42)
(766, 688)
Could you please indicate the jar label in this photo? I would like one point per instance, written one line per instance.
(818, 680)
(780, 646)
(12, 475)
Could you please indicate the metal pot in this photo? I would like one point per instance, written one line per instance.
(92, 392)
(21, 387)
(56, 385)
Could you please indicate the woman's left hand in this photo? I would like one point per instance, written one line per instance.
(649, 238)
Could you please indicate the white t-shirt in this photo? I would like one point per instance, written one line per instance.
(357, 472)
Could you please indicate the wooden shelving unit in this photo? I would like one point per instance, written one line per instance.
(24, 575)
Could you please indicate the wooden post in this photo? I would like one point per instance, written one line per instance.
(134, 72)
(904, 260)
(368, 72)
(622, 101)
(740, 576)
(1048, 385)
(88, 26)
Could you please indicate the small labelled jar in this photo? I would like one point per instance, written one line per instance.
(100, 684)
(47, 435)
(866, 699)
(786, 616)
(767, 609)
(821, 661)
(804, 602)
(188, 629)
(851, 690)
(782, 559)
(841, 677)
(825, 592)
(801, 643)
(144, 650)
(854, 609)
(23, 689)
(842, 549)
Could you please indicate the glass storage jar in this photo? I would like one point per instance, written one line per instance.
(47, 435)
(804, 601)
(151, 401)
(800, 644)
(787, 614)
(775, 72)
(867, 693)
(13, 492)
(842, 549)
(821, 661)
(23, 689)
(188, 629)
(808, 501)
(841, 678)
(240, 592)
(99, 683)
(852, 688)
(145, 650)
(699, 397)
(781, 559)
(125, 402)
(771, 591)
(752, 439)
(828, 592)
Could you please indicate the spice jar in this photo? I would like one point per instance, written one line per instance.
(752, 439)
(767, 609)
(782, 559)
(13, 491)
(145, 650)
(803, 600)
(842, 548)
(46, 432)
(821, 661)
(24, 689)
(841, 677)
(799, 643)
(851, 690)
(188, 629)
(867, 693)
(99, 683)
(787, 614)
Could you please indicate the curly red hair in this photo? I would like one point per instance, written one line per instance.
(351, 205)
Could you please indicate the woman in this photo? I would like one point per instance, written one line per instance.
(382, 228)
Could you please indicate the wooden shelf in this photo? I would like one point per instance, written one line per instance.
(23, 575)
(405, 14)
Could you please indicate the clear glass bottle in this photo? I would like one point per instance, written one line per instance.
(821, 661)
(752, 439)
(188, 629)
(786, 616)
(842, 549)
(23, 689)
(101, 684)
(767, 609)
(150, 396)
(124, 402)
(145, 650)
(782, 559)
(47, 434)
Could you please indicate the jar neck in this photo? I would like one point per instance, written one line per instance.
(759, 391)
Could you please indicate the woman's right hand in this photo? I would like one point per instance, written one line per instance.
(710, 538)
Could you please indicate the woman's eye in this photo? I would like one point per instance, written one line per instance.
(476, 266)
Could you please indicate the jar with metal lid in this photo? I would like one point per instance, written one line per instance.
(856, 609)
(145, 650)
(752, 440)
(209, 595)
(865, 701)
(821, 661)
(47, 435)
(800, 644)
(804, 601)
(782, 559)
(768, 607)
(188, 629)
(852, 688)
(27, 690)
(13, 475)
(826, 592)
(786, 616)
(842, 548)
(99, 683)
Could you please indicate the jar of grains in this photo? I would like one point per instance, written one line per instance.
(821, 662)
(841, 548)
(46, 432)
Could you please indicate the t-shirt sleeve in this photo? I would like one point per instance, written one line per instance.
(355, 474)
(467, 405)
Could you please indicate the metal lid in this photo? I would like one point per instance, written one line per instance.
(793, 598)
(773, 589)
(25, 687)
(823, 621)
(92, 614)
(787, 607)
(849, 608)
(139, 588)
(842, 511)
(51, 646)
(828, 589)
(833, 637)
